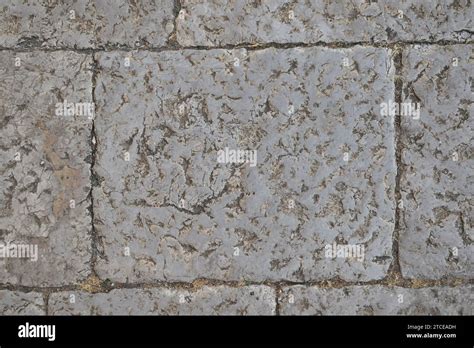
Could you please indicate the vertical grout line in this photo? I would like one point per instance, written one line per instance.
(278, 292)
(93, 178)
(46, 302)
(173, 37)
(394, 272)
(177, 7)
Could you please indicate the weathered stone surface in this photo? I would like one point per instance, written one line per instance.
(215, 300)
(44, 164)
(21, 303)
(91, 24)
(166, 209)
(376, 300)
(220, 22)
(302, 109)
(437, 237)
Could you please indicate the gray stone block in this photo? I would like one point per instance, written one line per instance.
(21, 303)
(376, 300)
(437, 237)
(216, 300)
(85, 23)
(44, 164)
(172, 212)
(223, 22)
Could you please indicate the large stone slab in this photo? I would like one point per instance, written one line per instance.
(437, 237)
(218, 300)
(44, 165)
(166, 209)
(221, 22)
(376, 300)
(21, 303)
(85, 23)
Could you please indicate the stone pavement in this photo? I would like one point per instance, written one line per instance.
(236, 157)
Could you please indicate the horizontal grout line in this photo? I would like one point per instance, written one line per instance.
(334, 283)
(245, 45)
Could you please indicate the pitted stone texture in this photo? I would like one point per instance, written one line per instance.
(86, 23)
(438, 163)
(44, 164)
(218, 300)
(376, 300)
(221, 22)
(21, 303)
(300, 108)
